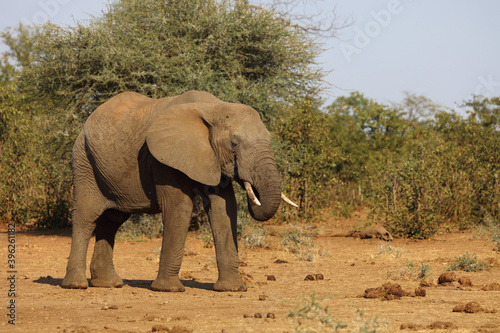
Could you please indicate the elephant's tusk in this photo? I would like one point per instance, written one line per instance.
(251, 195)
(288, 201)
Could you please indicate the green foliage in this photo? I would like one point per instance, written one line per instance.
(468, 263)
(22, 42)
(307, 157)
(420, 173)
(367, 131)
(35, 186)
(164, 48)
(141, 226)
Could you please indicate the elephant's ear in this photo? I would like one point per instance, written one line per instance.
(179, 137)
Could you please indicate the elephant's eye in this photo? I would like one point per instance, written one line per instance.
(234, 143)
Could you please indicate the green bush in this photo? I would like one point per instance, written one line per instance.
(468, 263)
(307, 158)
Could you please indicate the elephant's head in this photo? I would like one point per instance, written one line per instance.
(207, 140)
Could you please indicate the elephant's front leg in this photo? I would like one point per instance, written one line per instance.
(177, 208)
(222, 214)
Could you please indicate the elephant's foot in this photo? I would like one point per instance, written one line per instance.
(75, 280)
(106, 280)
(172, 284)
(230, 284)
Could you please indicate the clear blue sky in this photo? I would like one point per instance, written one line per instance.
(446, 50)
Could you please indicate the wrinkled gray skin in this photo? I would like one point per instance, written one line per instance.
(142, 155)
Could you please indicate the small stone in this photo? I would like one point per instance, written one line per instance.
(271, 278)
(319, 276)
(246, 315)
(309, 277)
(104, 307)
(459, 308)
(473, 307)
(271, 315)
(160, 328)
(257, 315)
(447, 277)
(113, 307)
(421, 292)
(279, 261)
(395, 290)
(374, 293)
(465, 281)
(426, 282)
(262, 297)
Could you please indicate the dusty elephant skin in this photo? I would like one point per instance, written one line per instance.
(141, 155)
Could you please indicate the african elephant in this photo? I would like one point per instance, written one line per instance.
(141, 155)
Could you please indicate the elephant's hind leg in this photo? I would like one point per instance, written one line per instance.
(102, 270)
(83, 226)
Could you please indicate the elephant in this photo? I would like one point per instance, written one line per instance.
(137, 154)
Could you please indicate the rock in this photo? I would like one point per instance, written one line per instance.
(279, 261)
(271, 278)
(420, 292)
(395, 290)
(465, 282)
(376, 232)
(472, 307)
(427, 282)
(257, 315)
(459, 308)
(271, 315)
(447, 278)
(262, 297)
(375, 293)
(314, 277)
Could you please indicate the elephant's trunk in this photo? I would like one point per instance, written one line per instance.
(266, 186)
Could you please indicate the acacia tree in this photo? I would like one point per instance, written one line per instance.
(163, 48)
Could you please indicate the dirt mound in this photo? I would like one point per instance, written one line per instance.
(491, 287)
(390, 291)
(472, 307)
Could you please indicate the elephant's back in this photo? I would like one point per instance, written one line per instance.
(114, 134)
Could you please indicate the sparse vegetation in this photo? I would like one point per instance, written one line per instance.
(140, 227)
(204, 234)
(300, 242)
(312, 315)
(410, 271)
(388, 250)
(468, 263)
(253, 235)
